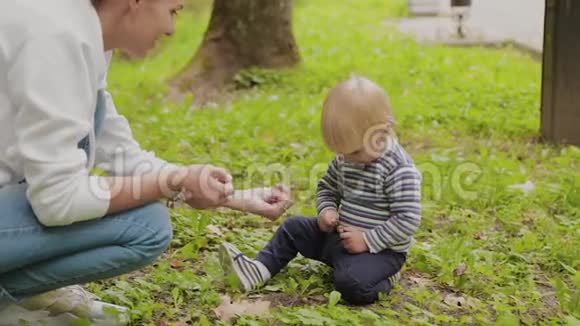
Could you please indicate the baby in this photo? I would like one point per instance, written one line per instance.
(368, 203)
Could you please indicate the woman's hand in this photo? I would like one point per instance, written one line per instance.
(205, 186)
(267, 202)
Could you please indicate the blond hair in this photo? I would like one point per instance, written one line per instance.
(353, 111)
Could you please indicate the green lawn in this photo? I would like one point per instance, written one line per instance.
(470, 118)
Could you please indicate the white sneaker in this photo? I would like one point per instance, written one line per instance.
(249, 272)
(17, 315)
(395, 279)
(63, 306)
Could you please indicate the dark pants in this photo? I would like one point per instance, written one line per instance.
(359, 277)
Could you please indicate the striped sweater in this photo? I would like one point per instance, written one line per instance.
(383, 197)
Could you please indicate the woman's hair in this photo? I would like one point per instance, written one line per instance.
(356, 111)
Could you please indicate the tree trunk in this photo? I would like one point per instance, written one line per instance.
(241, 34)
(561, 73)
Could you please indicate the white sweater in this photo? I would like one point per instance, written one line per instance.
(52, 65)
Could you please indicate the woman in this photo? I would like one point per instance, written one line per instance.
(60, 226)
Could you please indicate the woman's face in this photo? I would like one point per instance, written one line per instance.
(147, 21)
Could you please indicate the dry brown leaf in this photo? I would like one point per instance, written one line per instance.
(215, 230)
(480, 236)
(454, 300)
(460, 270)
(421, 280)
(228, 310)
(530, 216)
(183, 322)
(176, 264)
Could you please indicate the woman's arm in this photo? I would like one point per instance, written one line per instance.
(52, 86)
(135, 191)
(205, 184)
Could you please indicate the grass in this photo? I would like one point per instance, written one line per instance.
(470, 118)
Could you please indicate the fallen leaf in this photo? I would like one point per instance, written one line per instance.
(296, 146)
(460, 270)
(454, 300)
(421, 280)
(273, 288)
(317, 298)
(480, 236)
(530, 216)
(215, 230)
(526, 188)
(228, 310)
(176, 263)
(183, 322)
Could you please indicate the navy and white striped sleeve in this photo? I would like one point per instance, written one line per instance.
(328, 193)
(403, 192)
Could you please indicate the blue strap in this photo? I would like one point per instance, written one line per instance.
(100, 111)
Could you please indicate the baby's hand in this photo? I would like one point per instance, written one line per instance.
(328, 220)
(353, 240)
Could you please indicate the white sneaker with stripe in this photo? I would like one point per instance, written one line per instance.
(249, 272)
(394, 279)
(62, 307)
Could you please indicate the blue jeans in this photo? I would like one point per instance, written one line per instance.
(358, 277)
(36, 259)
